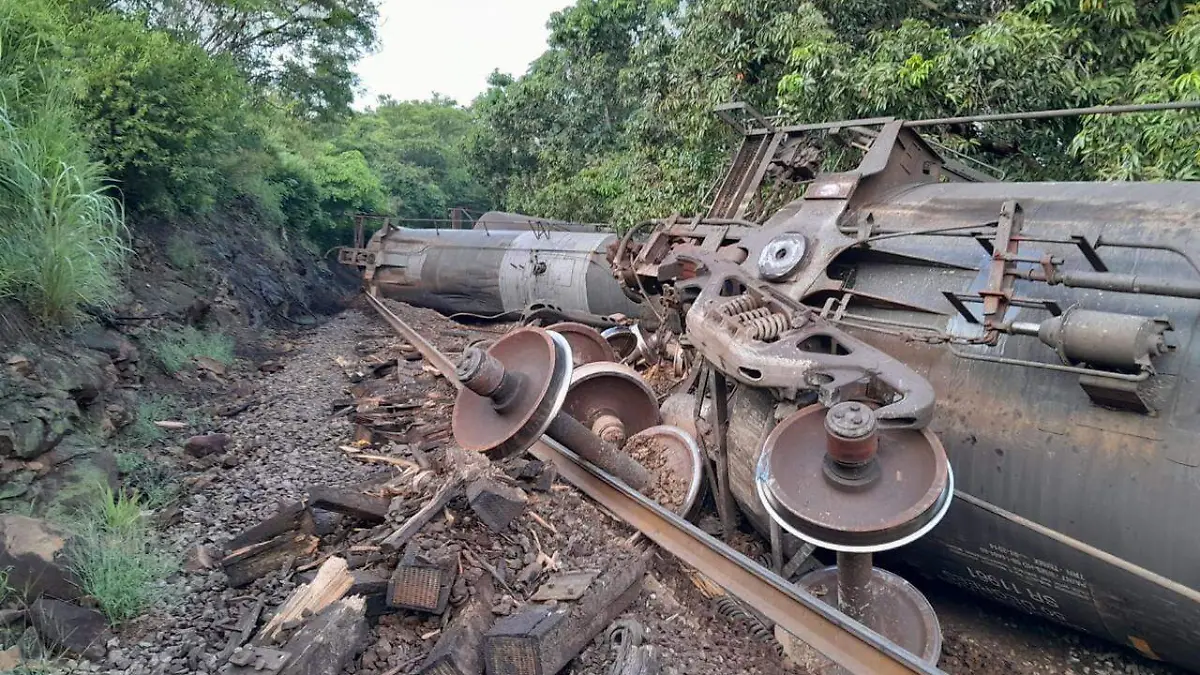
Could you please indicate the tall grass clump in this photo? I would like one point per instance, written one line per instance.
(61, 232)
(116, 551)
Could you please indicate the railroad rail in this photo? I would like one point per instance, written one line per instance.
(839, 638)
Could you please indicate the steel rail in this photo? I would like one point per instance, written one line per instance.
(839, 638)
(435, 357)
(844, 641)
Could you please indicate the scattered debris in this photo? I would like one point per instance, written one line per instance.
(244, 565)
(421, 583)
(496, 505)
(459, 648)
(565, 586)
(630, 656)
(541, 639)
(331, 583)
(329, 641)
(292, 517)
(370, 585)
(352, 502)
(242, 631)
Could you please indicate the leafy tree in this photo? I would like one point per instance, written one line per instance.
(304, 49)
(417, 149)
(614, 122)
(165, 117)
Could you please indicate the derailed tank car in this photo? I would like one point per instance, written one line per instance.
(489, 272)
(1046, 332)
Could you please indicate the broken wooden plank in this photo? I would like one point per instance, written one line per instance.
(349, 501)
(540, 640)
(396, 540)
(459, 648)
(329, 641)
(373, 587)
(291, 517)
(241, 633)
(248, 563)
(565, 586)
(495, 505)
(331, 583)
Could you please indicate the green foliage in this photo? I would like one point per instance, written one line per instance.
(143, 476)
(181, 252)
(61, 236)
(417, 148)
(165, 117)
(614, 121)
(178, 348)
(1159, 146)
(302, 50)
(143, 431)
(115, 554)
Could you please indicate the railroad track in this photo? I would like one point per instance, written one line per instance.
(844, 641)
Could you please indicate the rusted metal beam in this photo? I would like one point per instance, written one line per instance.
(435, 358)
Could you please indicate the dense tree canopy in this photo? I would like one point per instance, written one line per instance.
(305, 49)
(614, 121)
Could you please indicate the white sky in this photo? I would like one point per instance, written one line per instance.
(451, 46)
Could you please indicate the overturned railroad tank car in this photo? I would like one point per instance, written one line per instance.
(489, 272)
(1055, 325)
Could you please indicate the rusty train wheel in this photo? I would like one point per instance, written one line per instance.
(542, 361)
(909, 495)
(587, 345)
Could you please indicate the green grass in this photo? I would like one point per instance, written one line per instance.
(177, 349)
(143, 432)
(115, 552)
(62, 236)
(153, 480)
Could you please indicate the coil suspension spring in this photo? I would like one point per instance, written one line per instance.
(742, 303)
(731, 609)
(751, 315)
(765, 328)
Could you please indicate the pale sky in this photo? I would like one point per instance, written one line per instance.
(450, 46)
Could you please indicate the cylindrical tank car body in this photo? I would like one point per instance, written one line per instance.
(490, 272)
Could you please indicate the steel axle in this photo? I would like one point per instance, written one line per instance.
(486, 376)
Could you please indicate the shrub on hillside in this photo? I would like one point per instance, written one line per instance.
(61, 235)
(167, 119)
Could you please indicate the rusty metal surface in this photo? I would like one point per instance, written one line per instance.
(432, 355)
(541, 361)
(910, 494)
(611, 392)
(792, 349)
(896, 609)
(587, 345)
(683, 458)
(827, 630)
